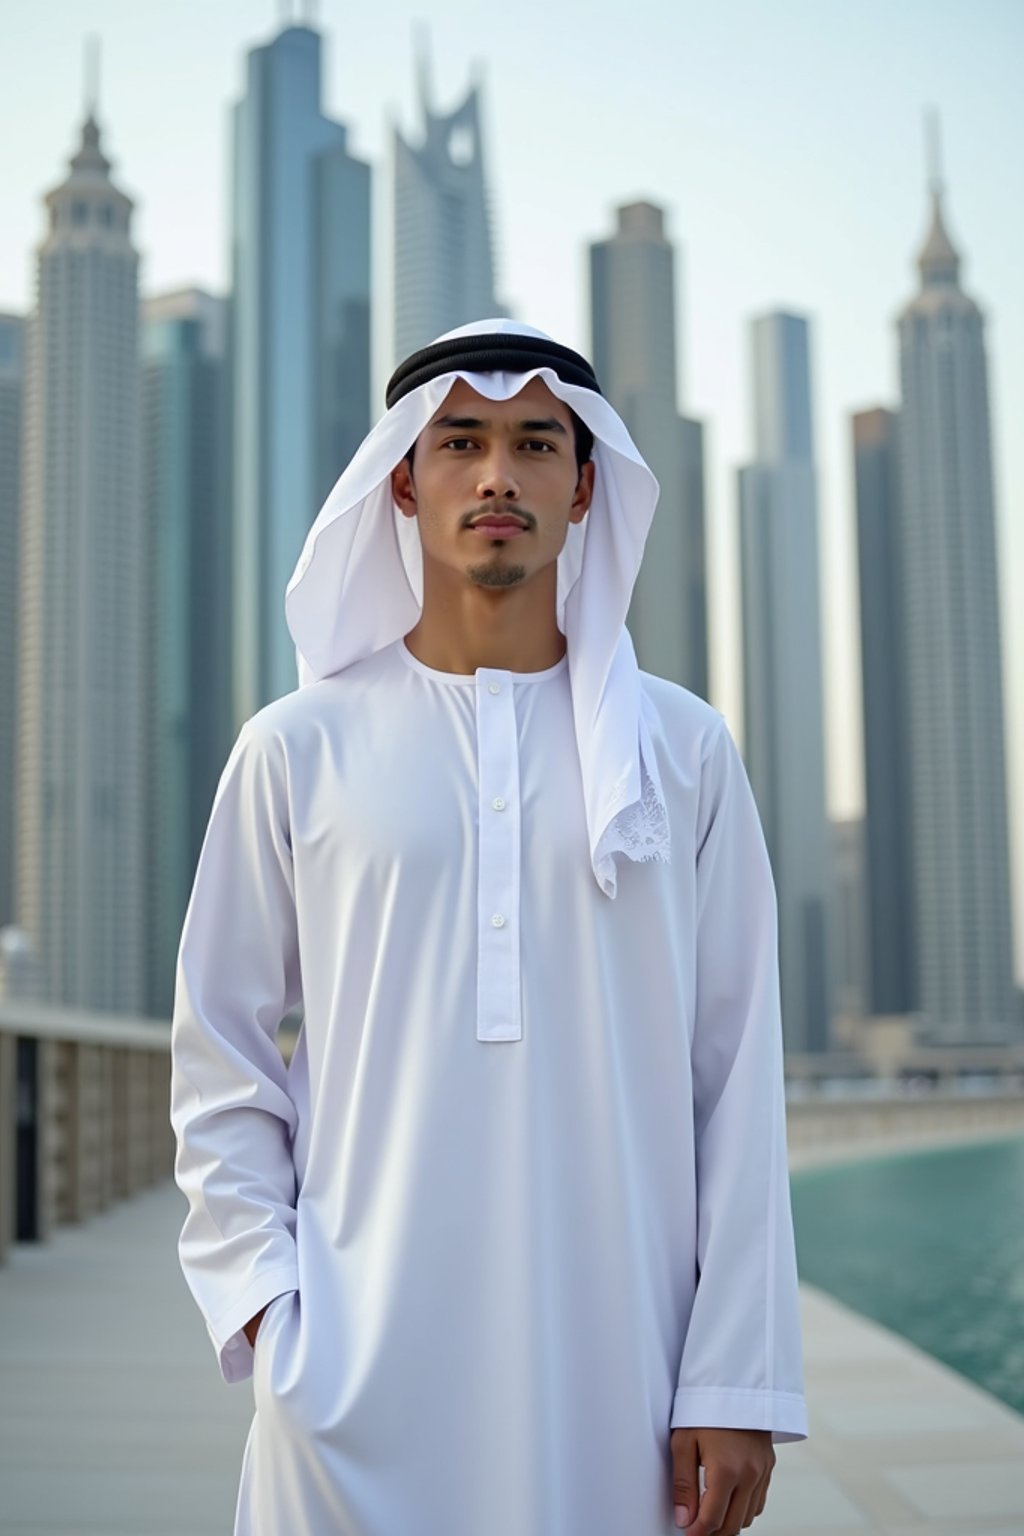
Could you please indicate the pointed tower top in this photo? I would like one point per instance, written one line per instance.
(92, 75)
(90, 157)
(933, 150)
(938, 260)
(421, 45)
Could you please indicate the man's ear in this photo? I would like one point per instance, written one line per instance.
(584, 492)
(402, 488)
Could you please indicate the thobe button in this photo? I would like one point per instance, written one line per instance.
(497, 804)
(493, 687)
(497, 921)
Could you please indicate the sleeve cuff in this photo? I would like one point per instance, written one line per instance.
(784, 1413)
(234, 1352)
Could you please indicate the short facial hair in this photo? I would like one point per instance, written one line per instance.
(496, 575)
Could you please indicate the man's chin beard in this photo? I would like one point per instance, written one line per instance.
(496, 575)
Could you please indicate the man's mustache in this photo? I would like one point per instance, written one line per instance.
(481, 515)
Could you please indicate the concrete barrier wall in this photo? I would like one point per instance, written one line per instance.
(86, 1121)
(838, 1130)
(100, 1105)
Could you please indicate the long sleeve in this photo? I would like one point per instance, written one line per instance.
(741, 1364)
(237, 976)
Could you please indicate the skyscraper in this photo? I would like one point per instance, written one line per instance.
(633, 337)
(443, 253)
(188, 612)
(299, 339)
(950, 602)
(849, 923)
(782, 668)
(12, 388)
(79, 786)
(892, 987)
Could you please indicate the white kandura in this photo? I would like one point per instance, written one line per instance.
(519, 1203)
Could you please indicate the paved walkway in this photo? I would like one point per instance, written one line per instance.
(114, 1421)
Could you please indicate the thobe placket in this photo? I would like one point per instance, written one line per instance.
(499, 1011)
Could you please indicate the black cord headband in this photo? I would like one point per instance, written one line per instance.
(496, 352)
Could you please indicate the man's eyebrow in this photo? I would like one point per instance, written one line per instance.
(469, 423)
(474, 424)
(546, 424)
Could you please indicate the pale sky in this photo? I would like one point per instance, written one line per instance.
(786, 142)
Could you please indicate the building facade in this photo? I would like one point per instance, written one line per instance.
(299, 340)
(782, 669)
(892, 986)
(81, 656)
(443, 245)
(188, 605)
(633, 346)
(12, 389)
(951, 645)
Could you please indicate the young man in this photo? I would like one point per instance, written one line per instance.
(507, 1247)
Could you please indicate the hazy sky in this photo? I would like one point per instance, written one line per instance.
(785, 140)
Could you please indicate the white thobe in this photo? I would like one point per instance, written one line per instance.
(519, 1203)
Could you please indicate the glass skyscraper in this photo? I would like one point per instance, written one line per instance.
(188, 613)
(633, 338)
(299, 340)
(784, 738)
(81, 655)
(443, 252)
(951, 645)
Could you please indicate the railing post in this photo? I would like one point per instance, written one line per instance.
(8, 1138)
(51, 1138)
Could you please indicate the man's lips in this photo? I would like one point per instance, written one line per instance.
(498, 524)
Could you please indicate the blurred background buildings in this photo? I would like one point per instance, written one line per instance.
(162, 457)
(784, 723)
(633, 349)
(443, 248)
(81, 662)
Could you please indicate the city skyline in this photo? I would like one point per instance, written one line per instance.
(845, 260)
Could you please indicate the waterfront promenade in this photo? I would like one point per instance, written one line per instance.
(114, 1422)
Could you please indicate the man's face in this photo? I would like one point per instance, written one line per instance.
(494, 484)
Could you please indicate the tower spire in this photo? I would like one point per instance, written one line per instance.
(939, 260)
(92, 75)
(421, 44)
(933, 151)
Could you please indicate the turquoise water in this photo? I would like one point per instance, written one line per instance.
(931, 1244)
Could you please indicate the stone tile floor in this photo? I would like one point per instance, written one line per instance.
(114, 1421)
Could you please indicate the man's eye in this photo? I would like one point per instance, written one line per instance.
(459, 442)
(538, 442)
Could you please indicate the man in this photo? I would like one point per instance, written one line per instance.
(507, 1246)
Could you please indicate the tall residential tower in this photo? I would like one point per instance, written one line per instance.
(82, 662)
(892, 982)
(12, 390)
(299, 339)
(633, 338)
(784, 735)
(950, 603)
(188, 605)
(443, 252)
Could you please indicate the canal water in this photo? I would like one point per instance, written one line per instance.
(931, 1244)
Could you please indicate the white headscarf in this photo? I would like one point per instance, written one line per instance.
(358, 587)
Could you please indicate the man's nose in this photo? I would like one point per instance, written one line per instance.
(497, 476)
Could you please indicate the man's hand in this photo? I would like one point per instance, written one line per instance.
(737, 1470)
(252, 1327)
